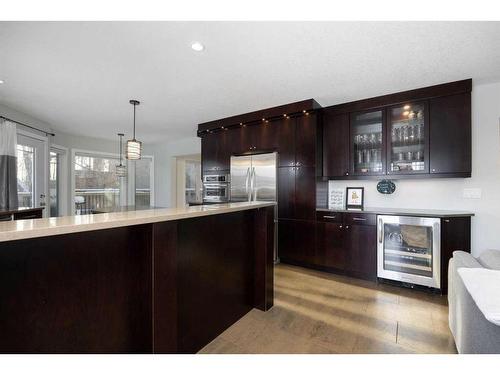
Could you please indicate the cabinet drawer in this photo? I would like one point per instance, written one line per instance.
(330, 217)
(360, 219)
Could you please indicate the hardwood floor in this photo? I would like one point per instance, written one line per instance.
(316, 312)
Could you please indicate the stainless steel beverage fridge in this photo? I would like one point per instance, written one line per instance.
(409, 249)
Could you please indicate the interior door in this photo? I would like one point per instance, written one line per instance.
(32, 170)
(240, 178)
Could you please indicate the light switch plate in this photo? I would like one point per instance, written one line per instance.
(472, 193)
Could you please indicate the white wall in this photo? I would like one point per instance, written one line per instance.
(165, 166)
(448, 193)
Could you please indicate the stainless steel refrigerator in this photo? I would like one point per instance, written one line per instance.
(254, 178)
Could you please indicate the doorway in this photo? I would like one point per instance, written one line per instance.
(187, 177)
(32, 170)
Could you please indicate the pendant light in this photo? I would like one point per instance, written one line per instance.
(134, 147)
(121, 170)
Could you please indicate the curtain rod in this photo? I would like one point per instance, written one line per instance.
(28, 126)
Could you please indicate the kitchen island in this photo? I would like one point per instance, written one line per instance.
(151, 281)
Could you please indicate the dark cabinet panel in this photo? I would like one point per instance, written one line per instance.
(267, 136)
(335, 145)
(330, 247)
(305, 193)
(286, 147)
(455, 235)
(361, 242)
(296, 241)
(286, 192)
(209, 152)
(306, 140)
(286, 240)
(450, 134)
(215, 152)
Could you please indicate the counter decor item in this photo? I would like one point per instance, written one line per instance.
(355, 198)
(336, 199)
(386, 187)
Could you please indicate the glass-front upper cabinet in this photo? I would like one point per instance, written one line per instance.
(367, 143)
(407, 137)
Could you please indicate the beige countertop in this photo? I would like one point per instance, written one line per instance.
(22, 229)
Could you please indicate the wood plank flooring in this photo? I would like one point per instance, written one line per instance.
(317, 312)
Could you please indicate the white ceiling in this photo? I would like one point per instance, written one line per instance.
(79, 76)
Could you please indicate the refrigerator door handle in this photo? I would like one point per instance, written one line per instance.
(247, 179)
(253, 193)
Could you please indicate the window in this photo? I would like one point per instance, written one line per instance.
(143, 181)
(96, 184)
(25, 176)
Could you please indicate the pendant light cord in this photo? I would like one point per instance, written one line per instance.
(134, 120)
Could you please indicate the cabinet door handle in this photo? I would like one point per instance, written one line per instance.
(446, 220)
(347, 227)
(347, 173)
(329, 217)
(341, 226)
(380, 230)
(358, 219)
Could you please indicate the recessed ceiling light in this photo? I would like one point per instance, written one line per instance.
(197, 46)
(1, 81)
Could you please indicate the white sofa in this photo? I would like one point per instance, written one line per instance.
(472, 332)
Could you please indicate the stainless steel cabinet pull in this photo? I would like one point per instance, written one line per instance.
(347, 227)
(359, 219)
(329, 217)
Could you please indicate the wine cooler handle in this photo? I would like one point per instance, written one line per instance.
(380, 230)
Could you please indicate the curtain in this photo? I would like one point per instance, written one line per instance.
(8, 166)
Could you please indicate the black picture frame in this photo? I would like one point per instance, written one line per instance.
(350, 206)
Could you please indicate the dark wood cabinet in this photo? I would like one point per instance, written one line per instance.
(335, 147)
(297, 193)
(330, 247)
(297, 241)
(306, 144)
(286, 192)
(361, 242)
(421, 133)
(215, 151)
(305, 193)
(367, 143)
(450, 134)
(455, 235)
(286, 148)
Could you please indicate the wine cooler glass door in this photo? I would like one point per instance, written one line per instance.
(409, 249)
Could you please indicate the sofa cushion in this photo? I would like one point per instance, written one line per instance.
(463, 259)
(490, 259)
(484, 287)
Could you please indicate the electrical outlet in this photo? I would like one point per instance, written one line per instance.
(472, 193)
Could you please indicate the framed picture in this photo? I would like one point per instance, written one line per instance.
(355, 198)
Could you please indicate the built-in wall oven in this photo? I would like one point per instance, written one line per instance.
(216, 188)
(409, 249)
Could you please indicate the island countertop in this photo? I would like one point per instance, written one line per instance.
(23, 229)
